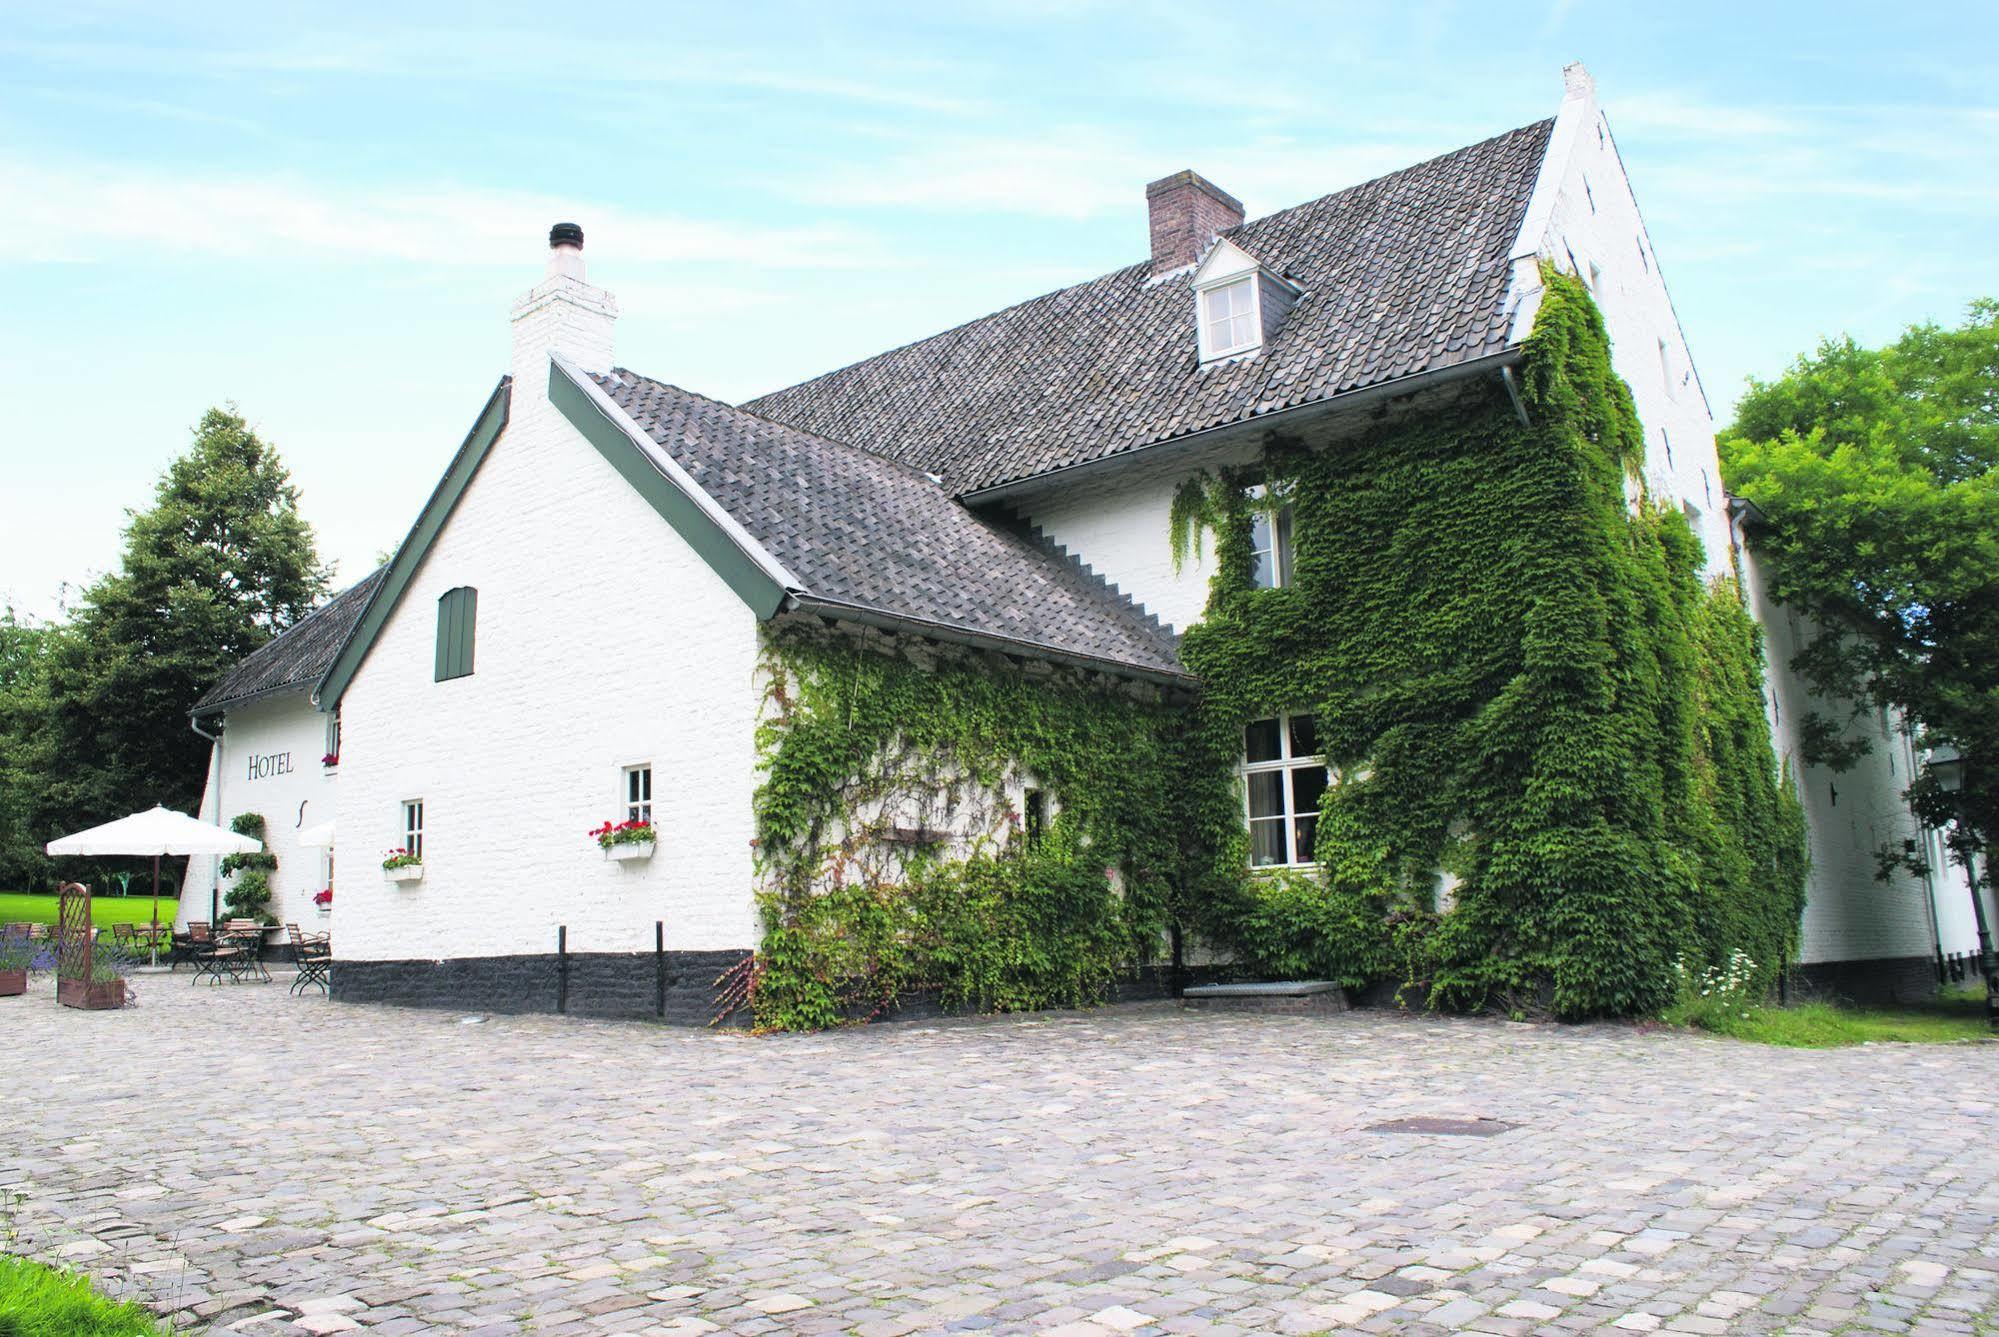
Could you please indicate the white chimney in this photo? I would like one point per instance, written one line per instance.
(561, 314)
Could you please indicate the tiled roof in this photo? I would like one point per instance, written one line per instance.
(865, 533)
(1404, 274)
(297, 658)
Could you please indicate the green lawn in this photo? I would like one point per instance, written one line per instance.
(37, 1301)
(19, 907)
(1955, 1015)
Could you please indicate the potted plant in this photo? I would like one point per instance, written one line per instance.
(104, 990)
(17, 957)
(330, 760)
(399, 865)
(324, 900)
(625, 842)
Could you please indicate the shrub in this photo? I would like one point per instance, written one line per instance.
(1717, 997)
(250, 896)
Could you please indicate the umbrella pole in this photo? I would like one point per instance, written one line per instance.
(155, 940)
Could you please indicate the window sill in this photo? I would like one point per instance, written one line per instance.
(1230, 356)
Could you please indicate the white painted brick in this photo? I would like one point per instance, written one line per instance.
(1121, 528)
(602, 640)
(290, 801)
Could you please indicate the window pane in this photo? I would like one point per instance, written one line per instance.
(1283, 546)
(1266, 843)
(1304, 736)
(1266, 794)
(1265, 575)
(1308, 784)
(1308, 828)
(1259, 740)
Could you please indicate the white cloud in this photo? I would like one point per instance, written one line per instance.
(1073, 176)
(525, 55)
(68, 213)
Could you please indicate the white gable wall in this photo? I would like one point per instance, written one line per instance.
(1595, 232)
(602, 641)
(1121, 529)
(1593, 229)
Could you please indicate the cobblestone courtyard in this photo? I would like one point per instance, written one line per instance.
(280, 1165)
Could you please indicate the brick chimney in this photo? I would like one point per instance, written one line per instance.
(562, 314)
(1187, 211)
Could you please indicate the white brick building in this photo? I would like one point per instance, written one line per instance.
(506, 682)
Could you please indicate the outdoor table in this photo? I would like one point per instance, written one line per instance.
(252, 942)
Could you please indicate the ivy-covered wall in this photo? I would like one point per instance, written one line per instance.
(896, 853)
(1518, 678)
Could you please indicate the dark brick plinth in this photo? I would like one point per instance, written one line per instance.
(1902, 979)
(601, 984)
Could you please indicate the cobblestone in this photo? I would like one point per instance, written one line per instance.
(276, 1165)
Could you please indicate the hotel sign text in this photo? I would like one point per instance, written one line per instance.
(270, 764)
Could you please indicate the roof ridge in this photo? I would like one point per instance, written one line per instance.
(783, 426)
(1231, 232)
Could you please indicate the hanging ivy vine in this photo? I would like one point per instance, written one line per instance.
(894, 854)
(1517, 679)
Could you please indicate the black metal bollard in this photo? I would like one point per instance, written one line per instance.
(562, 968)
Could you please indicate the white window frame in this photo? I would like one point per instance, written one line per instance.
(1280, 526)
(413, 827)
(1284, 763)
(635, 792)
(1252, 284)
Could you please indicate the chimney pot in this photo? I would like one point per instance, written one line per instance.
(561, 314)
(1187, 212)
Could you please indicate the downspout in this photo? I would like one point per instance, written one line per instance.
(215, 752)
(1513, 393)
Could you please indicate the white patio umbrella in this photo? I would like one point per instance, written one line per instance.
(158, 832)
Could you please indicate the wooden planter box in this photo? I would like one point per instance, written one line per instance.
(91, 997)
(407, 873)
(13, 982)
(630, 852)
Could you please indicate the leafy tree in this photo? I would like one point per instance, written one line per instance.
(221, 563)
(24, 653)
(1877, 471)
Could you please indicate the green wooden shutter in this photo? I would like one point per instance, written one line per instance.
(457, 620)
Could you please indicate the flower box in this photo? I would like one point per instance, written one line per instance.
(630, 852)
(13, 982)
(92, 996)
(409, 872)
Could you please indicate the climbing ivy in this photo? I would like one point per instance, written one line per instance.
(894, 856)
(1519, 679)
(1518, 676)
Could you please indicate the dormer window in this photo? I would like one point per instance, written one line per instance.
(1238, 303)
(1228, 319)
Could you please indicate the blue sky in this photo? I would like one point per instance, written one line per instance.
(323, 213)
